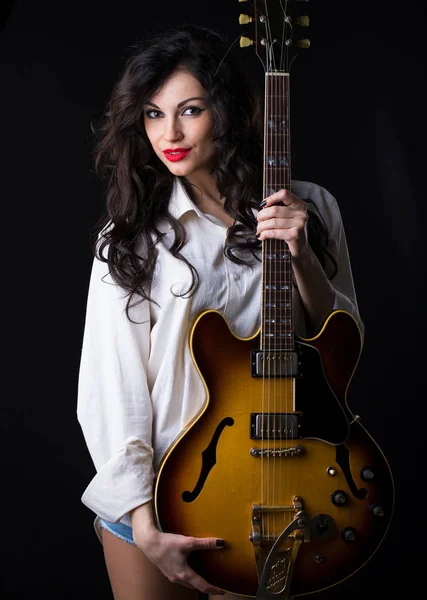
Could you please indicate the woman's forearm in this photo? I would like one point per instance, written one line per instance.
(316, 291)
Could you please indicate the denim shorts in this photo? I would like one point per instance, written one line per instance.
(124, 532)
(120, 530)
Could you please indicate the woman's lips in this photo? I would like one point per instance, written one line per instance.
(176, 154)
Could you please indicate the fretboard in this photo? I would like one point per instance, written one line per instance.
(277, 326)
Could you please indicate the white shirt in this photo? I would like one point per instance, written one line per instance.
(138, 385)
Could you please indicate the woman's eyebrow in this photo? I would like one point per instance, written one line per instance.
(189, 99)
(179, 104)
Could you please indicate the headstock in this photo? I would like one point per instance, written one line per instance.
(279, 29)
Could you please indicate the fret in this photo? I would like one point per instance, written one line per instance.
(284, 184)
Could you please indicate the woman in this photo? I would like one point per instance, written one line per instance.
(180, 149)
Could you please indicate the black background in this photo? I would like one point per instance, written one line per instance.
(358, 128)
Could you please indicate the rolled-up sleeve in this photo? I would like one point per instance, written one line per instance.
(114, 406)
(345, 293)
(322, 202)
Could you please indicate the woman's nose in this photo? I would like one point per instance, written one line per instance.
(173, 130)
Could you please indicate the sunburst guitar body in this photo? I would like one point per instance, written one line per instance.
(226, 478)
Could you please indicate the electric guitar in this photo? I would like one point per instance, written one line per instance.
(275, 462)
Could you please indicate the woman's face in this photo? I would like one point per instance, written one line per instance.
(179, 123)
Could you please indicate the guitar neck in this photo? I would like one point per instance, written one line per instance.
(277, 135)
(276, 305)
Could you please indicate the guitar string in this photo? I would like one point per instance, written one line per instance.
(285, 296)
(264, 349)
(267, 339)
(277, 380)
(283, 287)
(276, 295)
(279, 273)
(288, 290)
(270, 310)
(282, 382)
(273, 273)
(272, 418)
(270, 294)
(284, 312)
(290, 269)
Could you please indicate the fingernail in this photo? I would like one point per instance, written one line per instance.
(220, 543)
(263, 203)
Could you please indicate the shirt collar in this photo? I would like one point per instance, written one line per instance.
(180, 202)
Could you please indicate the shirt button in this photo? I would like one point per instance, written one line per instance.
(236, 277)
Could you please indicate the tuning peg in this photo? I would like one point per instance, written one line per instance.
(303, 43)
(242, 0)
(303, 21)
(245, 41)
(245, 19)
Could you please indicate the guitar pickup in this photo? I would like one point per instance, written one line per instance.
(273, 363)
(276, 426)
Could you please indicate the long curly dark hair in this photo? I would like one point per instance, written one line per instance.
(139, 185)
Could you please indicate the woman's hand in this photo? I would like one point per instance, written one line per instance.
(169, 552)
(287, 221)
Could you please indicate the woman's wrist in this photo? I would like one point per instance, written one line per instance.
(143, 524)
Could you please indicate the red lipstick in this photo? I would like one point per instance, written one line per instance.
(176, 154)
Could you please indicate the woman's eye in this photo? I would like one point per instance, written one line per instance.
(152, 113)
(193, 110)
